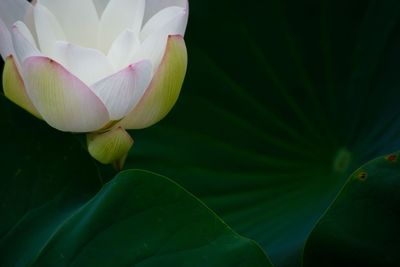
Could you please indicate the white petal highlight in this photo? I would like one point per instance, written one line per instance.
(122, 49)
(78, 19)
(164, 89)
(63, 100)
(122, 91)
(47, 28)
(119, 16)
(88, 64)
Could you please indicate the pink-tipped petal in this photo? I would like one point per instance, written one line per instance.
(122, 91)
(14, 87)
(164, 89)
(64, 101)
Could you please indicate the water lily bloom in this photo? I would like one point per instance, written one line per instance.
(95, 66)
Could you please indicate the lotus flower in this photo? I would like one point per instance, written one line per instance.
(95, 66)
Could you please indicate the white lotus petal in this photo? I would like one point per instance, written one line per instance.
(6, 46)
(151, 49)
(87, 64)
(123, 90)
(14, 10)
(63, 100)
(164, 89)
(118, 16)
(169, 21)
(14, 87)
(24, 44)
(100, 6)
(47, 28)
(155, 6)
(123, 49)
(78, 19)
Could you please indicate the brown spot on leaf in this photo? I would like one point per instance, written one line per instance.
(362, 176)
(392, 158)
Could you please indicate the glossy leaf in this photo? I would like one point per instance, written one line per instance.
(361, 228)
(143, 219)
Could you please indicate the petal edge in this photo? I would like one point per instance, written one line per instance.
(122, 91)
(164, 89)
(14, 88)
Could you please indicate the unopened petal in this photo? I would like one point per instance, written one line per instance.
(118, 16)
(14, 87)
(122, 91)
(164, 89)
(88, 64)
(110, 147)
(64, 101)
(78, 19)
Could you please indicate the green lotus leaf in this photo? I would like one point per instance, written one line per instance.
(282, 101)
(361, 227)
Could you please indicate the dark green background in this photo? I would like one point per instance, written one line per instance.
(282, 101)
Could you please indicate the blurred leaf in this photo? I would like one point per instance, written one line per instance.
(39, 165)
(45, 175)
(361, 228)
(283, 100)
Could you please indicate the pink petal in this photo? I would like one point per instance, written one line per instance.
(64, 101)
